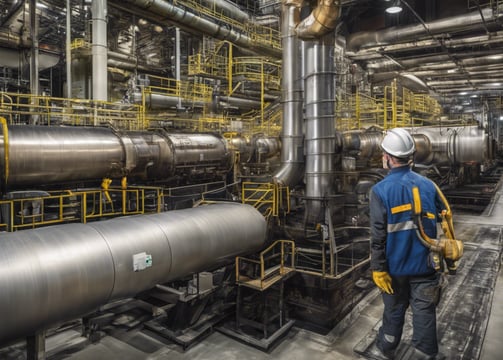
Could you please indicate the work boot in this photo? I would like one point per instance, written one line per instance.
(374, 352)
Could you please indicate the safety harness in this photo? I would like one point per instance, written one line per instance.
(447, 246)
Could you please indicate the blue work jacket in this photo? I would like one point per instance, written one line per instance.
(395, 246)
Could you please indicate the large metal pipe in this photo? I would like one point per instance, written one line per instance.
(228, 9)
(161, 101)
(183, 17)
(65, 154)
(377, 52)
(58, 273)
(99, 50)
(292, 151)
(320, 140)
(392, 35)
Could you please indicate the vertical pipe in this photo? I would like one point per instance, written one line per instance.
(99, 50)
(319, 85)
(229, 70)
(292, 152)
(177, 63)
(68, 50)
(34, 80)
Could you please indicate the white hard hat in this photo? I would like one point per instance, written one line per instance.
(399, 143)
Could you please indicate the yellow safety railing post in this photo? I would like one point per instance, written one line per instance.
(83, 207)
(5, 131)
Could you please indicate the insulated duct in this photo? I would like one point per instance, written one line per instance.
(53, 274)
(397, 34)
(320, 141)
(292, 151)
(186, 19)
(319, 106)
(321, 21)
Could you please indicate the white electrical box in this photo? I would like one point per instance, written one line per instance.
(141, 261)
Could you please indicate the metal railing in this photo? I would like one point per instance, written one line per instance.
(268, 198)
(274, 262)
(48, 110)
(391, 109)
(78, 206)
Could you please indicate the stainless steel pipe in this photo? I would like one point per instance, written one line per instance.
(58, 273)
(292, 151)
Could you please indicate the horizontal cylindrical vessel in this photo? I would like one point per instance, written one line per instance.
(434, 145)
(33, 155)
(61, 272)
(441, 145)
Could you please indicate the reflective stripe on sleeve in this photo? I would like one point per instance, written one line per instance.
(404, 225)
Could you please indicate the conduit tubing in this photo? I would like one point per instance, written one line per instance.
(58, 273)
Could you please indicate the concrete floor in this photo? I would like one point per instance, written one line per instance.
(456, 338)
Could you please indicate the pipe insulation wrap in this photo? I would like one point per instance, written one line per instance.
(58, 273)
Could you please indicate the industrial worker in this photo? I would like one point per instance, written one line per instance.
(402, 266)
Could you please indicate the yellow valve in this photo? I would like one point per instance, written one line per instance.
(105, 185)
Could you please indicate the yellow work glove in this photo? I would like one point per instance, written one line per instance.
(383, 281)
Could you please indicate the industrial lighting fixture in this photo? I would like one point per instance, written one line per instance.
(394, 8)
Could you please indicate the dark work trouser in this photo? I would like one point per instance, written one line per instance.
(422, 294)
